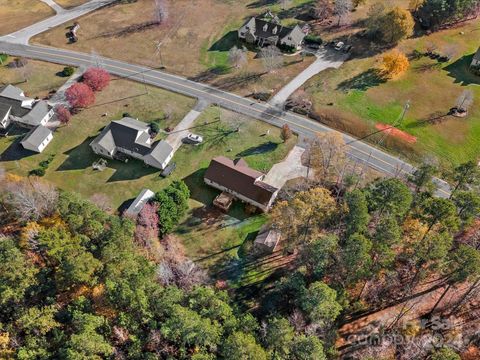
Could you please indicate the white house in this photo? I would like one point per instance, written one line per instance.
(37, 139)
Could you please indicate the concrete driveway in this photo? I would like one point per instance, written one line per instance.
(290, 168)
(326, 58)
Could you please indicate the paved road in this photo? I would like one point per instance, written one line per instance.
(23, 36)
(325, 59)
(360, 151)
(58, 9)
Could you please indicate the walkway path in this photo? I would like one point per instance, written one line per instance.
(325, 59)
(23, 36)
(290, 168)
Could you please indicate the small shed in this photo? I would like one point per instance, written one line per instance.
(223, 201)
(139, 203)
(267, 240)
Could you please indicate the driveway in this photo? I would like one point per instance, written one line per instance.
(23, 36)
(326, 58)
(290, 168)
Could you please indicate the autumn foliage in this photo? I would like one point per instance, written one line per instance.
(286, 133)
(96, 78)
(63, 114)
(394, 63)
(80, 95)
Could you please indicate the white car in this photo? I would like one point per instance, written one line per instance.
(339, 45)
(194, 139)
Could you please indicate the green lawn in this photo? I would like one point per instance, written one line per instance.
(360, 99)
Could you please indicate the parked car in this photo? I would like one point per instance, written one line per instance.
(168, 170)
(347, 48)
(194, 139)
(339, 46)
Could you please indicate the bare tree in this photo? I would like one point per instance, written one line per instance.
(341, 9)
(31, 199)
(272, 58)
(237, 57)
(464, 101)
(160, 11)
(450, 51)
(327, 156)
(322, 10)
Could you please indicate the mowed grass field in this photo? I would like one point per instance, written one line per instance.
(17, 14)
(195, 40)
(353, 99)
(71, 168)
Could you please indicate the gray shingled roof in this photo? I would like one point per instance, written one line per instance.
(12, 92)
(257, 27)
(4, 109)
(39, 111)
(160, 153)
(37, 135)
(477, 55)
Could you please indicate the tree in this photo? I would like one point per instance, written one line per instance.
(97, 79)
(356, 258)
(357, 218)
(394, 63)
(237, 57)
(341, 8)
(327, 156)
(241, 346)
(285, 133)
(464, 101)
(322, 10)
(414, 5)
(172, 204)
(422, 178)
(278, 338)
(63, 114)
(320, 303)
(318, 255)
(465, 175)
(468, 205)
(307, 348)
(445, 353)
(271, 57)
(396, 25)
(17, 274)
(391, 196)
(38, 321)
(80, 95)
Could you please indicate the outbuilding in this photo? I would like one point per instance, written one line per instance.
(37, 139)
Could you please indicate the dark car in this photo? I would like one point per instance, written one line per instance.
(168, 170)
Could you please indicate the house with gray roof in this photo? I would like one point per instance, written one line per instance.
(37, 139)
(263, 32)
(16, 107)
(476, 60)
(132, 138)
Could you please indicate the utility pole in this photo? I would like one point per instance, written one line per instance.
(158, 52)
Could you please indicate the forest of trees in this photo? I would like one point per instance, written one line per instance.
(78, 283)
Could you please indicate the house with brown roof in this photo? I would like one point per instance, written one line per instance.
(235, 177)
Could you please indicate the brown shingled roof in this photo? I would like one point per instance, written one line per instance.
(238, 177)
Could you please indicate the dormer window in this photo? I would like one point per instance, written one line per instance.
(265, 27)
(275, 29)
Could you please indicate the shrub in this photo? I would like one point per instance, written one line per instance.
(313, 39)
(80, 95)
(97, 79)
(394, 63)
(126, 114)
(68, 71)
(37, 172)
(3, 58)
(155, 127)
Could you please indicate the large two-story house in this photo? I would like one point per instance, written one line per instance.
(263, 33)
(132, 138)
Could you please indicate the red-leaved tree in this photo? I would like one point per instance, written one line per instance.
(80, 95)
(63, 114)
(97, 79)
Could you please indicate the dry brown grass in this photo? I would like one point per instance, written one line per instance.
(67, 4)
(190, 40)
(17, 14)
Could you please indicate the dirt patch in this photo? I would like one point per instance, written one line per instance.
(397, 133)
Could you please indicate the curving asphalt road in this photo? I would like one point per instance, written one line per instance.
(357, 150)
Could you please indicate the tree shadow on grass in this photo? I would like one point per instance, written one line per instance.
(79, 157)
(261, 3)
(266, 147)
(460, 71)
(131, 170)
(226, 42)
(362, 82)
